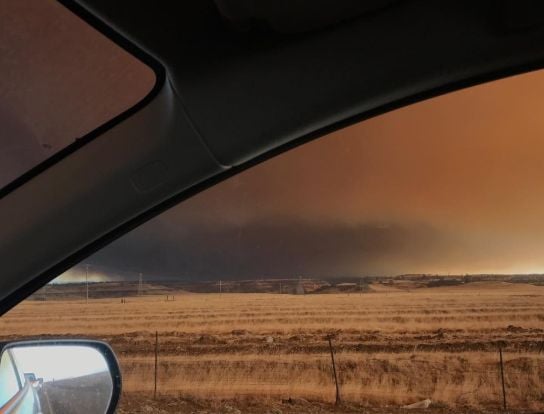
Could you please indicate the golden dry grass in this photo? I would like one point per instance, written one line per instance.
(392, 347)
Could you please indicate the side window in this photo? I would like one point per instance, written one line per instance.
(397, 263)
(61, 79)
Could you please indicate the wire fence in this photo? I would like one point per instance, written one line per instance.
(499, 379)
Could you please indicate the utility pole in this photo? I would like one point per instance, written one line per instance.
(502, 379)
(86, 283)
(220, 287)
(140, 284)
(337, 399)
(156, 363)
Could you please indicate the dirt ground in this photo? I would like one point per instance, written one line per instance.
(166, 405)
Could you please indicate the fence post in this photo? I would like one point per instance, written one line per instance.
(337, 400)
(156, 362)
(502, 379)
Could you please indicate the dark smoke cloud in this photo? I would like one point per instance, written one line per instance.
(272, 247)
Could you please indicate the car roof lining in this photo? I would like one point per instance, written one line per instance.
(293, 16)
(202, 116)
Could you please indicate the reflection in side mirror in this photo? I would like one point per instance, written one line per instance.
(53, 377)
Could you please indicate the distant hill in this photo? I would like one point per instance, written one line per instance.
(98, 290)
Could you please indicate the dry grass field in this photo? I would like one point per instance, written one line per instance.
(269, 353)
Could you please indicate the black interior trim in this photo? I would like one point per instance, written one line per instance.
(144, 57)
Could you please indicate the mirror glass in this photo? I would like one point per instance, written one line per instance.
(52, 379)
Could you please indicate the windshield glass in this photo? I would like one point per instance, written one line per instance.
(60, 80)
(390, 265)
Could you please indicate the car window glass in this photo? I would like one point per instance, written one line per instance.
(61, 79)
(393, 264)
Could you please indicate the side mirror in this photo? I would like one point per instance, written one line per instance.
(65, 376)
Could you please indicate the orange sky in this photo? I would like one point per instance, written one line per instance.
(467, 166)
(474, 157)
(449, 185)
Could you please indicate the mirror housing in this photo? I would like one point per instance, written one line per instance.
(52, 376)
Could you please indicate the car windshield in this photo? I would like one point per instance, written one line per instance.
(395, 264)
(60, 80)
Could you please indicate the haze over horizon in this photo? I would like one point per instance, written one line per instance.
(101, 275)
(449, 185)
